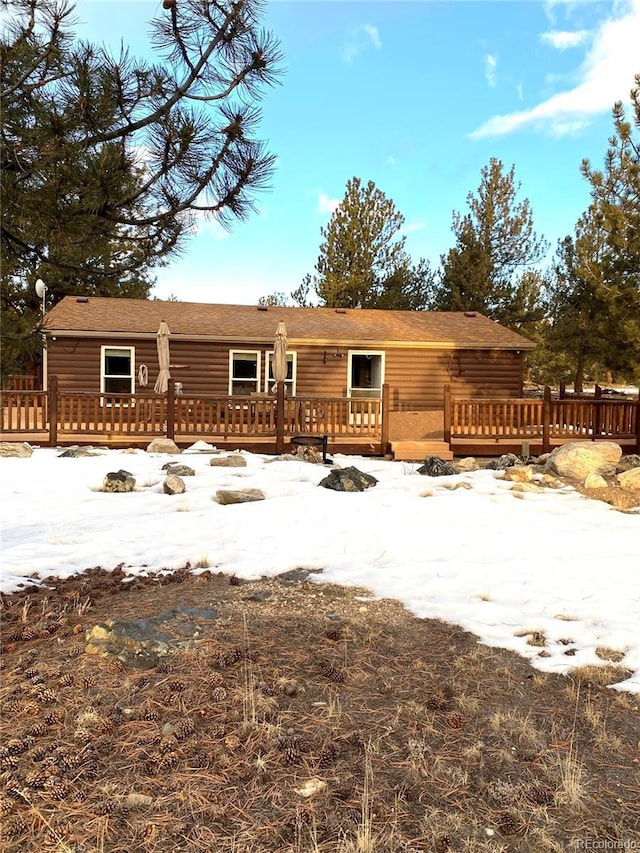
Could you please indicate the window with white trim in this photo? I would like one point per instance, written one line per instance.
(365, 373)
(244, 372)
(290, 381)
(117, 370)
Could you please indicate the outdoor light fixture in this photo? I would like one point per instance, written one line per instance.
(336, 354)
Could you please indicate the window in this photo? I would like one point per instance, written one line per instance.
(289, 382)
(244, 372)
(117, 370)
(366, 373)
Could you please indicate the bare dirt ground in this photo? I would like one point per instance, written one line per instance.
(297, 717)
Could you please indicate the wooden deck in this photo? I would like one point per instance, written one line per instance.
(536, 426)
(261, 422)
(266, 424)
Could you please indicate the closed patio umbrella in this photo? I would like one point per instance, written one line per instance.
(162, 340)
(280, 353)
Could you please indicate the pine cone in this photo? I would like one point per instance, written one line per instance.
(455, 720)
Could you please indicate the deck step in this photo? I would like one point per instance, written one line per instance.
(415, 451)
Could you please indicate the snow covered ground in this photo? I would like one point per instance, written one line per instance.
(503, 567)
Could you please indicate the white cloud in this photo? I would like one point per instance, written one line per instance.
(326, 204)
(364, 36)
(606, 75)
(490, 65)
(411, 227)
(563, 39)
(210, 226)
(373, 34)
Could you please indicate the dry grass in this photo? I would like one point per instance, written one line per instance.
(300, 720)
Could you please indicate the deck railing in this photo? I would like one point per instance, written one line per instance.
(141, 416)
(547, 420)
(24, 411)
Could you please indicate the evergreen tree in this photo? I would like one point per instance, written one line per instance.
(107, 160)
(363, 262)
(616, 211)
(490, 267)
(579, 316)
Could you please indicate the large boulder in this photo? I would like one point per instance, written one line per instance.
(11, 448)
(162, 445)
(579, 458)
(630, 479)
(349, 479)
(118, 481)
(434, 466)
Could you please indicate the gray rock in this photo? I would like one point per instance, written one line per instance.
(162, 445)
(347, 480)
(173, 485)
(118, 481)
(507, 460)
(77, 452)
(178, 469)
(141, 643)
(628, 462)
(579, 458)
(20, 449)
(239, 496)
(234, 460)
(434, 466)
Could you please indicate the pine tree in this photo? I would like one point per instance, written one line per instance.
(616, 209)
(489, 269)
(108, 160)
(363, 262)
(579, 316)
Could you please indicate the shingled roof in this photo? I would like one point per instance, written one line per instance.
(257, 324)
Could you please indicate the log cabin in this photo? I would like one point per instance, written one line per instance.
(109, 346)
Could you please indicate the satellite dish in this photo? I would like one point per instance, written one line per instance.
(41, 288)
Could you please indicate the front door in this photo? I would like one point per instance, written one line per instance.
(366, 373)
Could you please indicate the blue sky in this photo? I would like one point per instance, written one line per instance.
(416, 96)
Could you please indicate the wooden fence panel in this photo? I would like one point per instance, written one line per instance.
(525, 419)
(24, 411)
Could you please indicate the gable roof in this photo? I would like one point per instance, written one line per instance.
(140, 318)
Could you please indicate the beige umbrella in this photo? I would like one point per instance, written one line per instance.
(280, 354)
(162, 339)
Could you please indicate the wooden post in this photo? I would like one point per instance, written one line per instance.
(384, 414)
(52, 405)
(597, 392)
(280, 417)
(562, 393)
(546, 420)
(171, 409)
(447, 415)
(638, 425)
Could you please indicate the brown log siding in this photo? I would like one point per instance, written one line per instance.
(416, 377)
